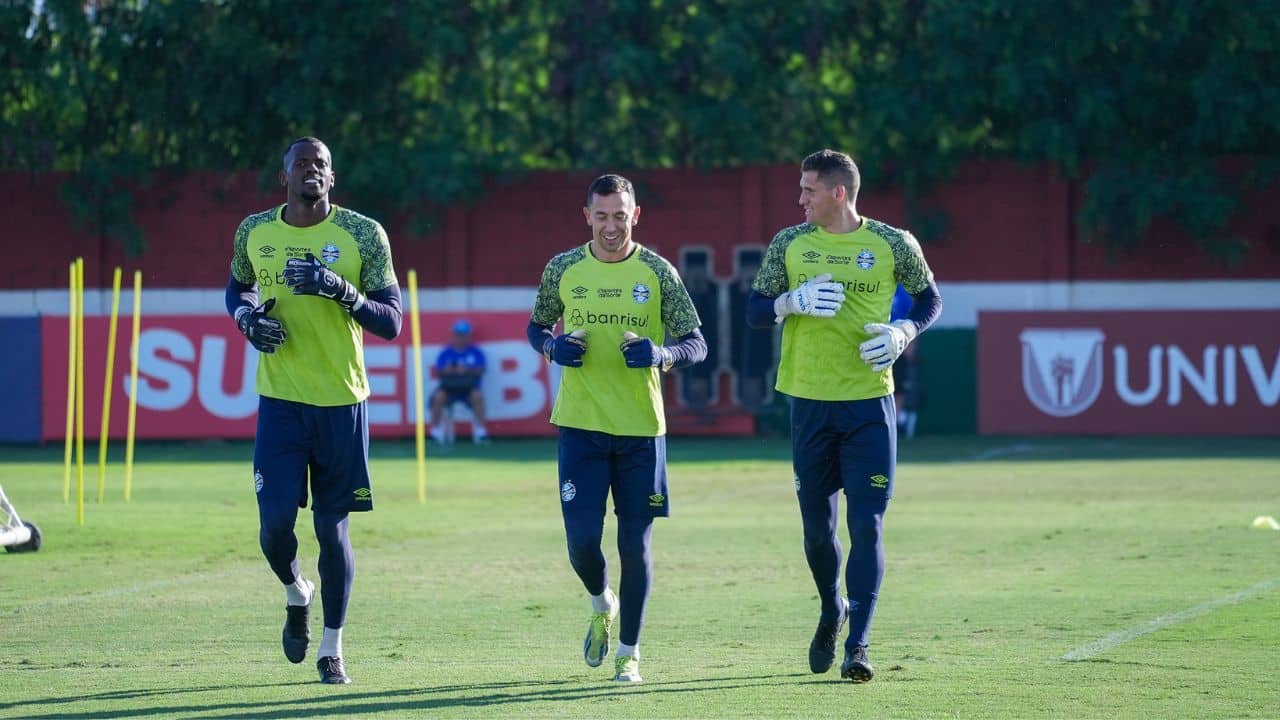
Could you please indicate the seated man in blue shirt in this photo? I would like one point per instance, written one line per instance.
(459, 367)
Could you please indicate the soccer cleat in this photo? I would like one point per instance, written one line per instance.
(595, 648)
(296, 635)
(822, 649)
(331, 671)
(626, 668)
(856, 666)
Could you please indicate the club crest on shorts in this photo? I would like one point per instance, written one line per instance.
(257, 481)
(640, 293)
(330, 253)
(568, 492)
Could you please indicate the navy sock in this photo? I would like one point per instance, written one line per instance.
(822, 549)
(279, 544)
(584, 536)
(337, 566)
(866, 564)
(634, 534)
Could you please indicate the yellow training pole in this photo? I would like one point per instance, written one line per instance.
(71, 382)
(80, 391)
(419, 428)
(133, 386)
(106, 385)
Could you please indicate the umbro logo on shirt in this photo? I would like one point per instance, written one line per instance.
(811, 256)
(266, 251)
(579, 292)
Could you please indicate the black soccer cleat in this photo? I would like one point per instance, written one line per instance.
(296, 635)
(856, 666)
(331, 671)
(822, 649)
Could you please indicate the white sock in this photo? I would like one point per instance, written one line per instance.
(604, 602)
(331, 643)
(633, 650)
(299, 592)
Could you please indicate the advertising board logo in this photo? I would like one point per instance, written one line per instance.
(1062, 369)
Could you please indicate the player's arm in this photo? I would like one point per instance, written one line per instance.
(566, 349)
(641, 352)
(265, 333)
(681, 321)
(890, 340)
(771, 300)
(381, 313)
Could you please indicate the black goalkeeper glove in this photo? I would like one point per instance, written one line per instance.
(264, 333)
(641, 352)
(566, 350)
(310, 276)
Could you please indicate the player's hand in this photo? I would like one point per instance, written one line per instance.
(641, 352)
(566, 350)
(889, 342)
(817, 297)
(263, 332)
(310, 276)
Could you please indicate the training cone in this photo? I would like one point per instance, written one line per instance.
(1266, 522)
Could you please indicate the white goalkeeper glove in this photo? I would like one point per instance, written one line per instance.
(817, 296)
(888, 343)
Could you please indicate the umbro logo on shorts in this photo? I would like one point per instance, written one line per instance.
(364, 494)
(879, 482)
(655, 500)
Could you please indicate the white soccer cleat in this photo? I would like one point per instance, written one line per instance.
(626, 668)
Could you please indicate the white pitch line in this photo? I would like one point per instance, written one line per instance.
(1002, 451)
(1097, 647)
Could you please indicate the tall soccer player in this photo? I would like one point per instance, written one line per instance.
(307, 278)
(830, 282)
(619, 302)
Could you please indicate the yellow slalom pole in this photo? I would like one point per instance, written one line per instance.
(419, 428)
(71, 382)
(103, 437)
(80, 391)
(133, 386)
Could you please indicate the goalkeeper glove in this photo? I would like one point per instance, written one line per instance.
(264, 333)
(310, 276)
(567, 349)
(888, 343)
(817, 296)
(641, 352)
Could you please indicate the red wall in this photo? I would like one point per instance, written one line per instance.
(1007, 222)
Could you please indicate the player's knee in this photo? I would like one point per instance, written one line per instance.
(632, 546)
(865, 526)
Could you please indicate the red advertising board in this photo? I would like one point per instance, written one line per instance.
(196, 377)
(1126, 373)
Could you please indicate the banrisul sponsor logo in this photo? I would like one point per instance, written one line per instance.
(870, 288)
(619, 319)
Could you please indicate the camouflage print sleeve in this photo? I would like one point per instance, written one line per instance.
(910, 268)
(548, 307)
(679, 316)
(241, 265)
(376, 271)
(771, 279)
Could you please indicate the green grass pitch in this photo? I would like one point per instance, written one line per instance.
(1004, 555)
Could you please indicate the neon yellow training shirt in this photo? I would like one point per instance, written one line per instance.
(643, 294)
(322, 360)
(820, 356)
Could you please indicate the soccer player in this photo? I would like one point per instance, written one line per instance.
(831, 281)
(307, 277)
(459, 367)
(619, 301)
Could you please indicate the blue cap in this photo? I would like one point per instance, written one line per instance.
(462, 327)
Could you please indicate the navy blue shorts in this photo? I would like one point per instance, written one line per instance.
(594, 463)
(330, 445)
(849, 445)
(457, 396)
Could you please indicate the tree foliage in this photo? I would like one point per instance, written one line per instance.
(422, 102)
